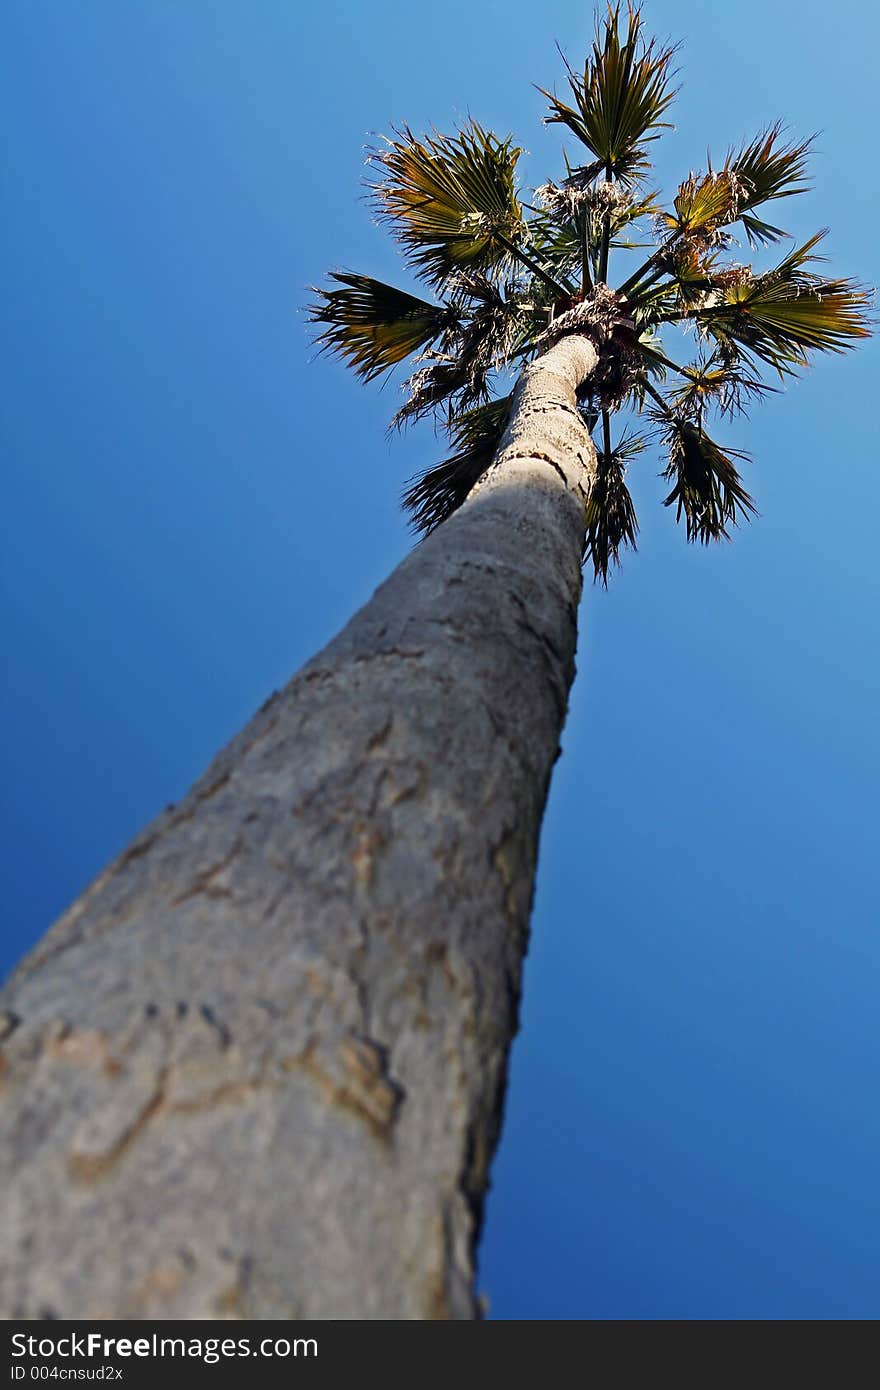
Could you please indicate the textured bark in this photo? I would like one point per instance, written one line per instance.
(257, 1070)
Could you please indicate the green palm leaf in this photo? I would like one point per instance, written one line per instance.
(784, 315)
(620, 99)
(760, 172)
(763, 170)
(704, 204)
(449, 199)
(440, 490)
(373, 326)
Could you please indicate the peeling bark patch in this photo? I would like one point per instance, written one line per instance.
(438, 954)
(135, 851)
(504, 860)
(380, 737)
(369, 841)
(84, 1048)
(205, 884)
(104, 1135)
(364, 1085)
(8, 1024)
(403, 653)
(209, 1096)
(366, 1063)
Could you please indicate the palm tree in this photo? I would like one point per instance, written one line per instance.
(258, 1068)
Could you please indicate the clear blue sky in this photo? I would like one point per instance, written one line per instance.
(192, 507)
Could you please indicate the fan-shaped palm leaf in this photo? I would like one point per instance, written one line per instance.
(763, 170)
(447, 196)
(782, 316)
(621, 97)
(703, 204)
(373, 326)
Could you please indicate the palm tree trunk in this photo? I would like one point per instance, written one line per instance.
(257, 1070)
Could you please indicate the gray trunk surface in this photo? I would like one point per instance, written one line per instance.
(257, 1069)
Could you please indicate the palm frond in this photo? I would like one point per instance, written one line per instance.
(763, 170)
(620, 98)
(759, 232)
(653, 363)
(439, 387)
(703, 205)
(610, 513)
(707, 489)
(373, 326)
(782, 316)
(445, 195)
(440, 490)
(766, 169)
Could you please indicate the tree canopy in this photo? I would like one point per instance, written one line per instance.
(509, 276)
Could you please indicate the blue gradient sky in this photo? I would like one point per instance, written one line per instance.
(192, 507)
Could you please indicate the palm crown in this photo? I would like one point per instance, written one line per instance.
(509, 278)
